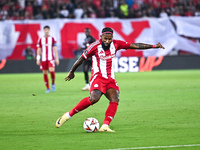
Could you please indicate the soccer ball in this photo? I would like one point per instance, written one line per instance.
(91, 125)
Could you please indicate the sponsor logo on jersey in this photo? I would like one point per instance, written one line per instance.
(107, 57)
(47, 44)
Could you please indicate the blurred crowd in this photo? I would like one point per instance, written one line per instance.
(46, 9)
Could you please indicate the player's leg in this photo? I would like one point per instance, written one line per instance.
(46, 80)
(86, 66)
(53, 76)
(95, 95)
(113, 96)
(44, 68)
(51, 65)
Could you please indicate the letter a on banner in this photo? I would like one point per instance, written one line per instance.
(24, 30)
(69, 37)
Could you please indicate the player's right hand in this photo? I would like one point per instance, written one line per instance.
(38, 62)
(70, 76)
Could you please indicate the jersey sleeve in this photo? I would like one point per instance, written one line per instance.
(39, 44)
(54, 41)
(122, 44)
(89, 52)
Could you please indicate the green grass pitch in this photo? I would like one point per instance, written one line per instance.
(158, 108)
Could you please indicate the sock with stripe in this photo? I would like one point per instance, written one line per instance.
(83, 104)
(110, 113)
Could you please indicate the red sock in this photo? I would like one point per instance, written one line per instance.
(83, 104)
(110, 112)
(53, 76)
(46, 81)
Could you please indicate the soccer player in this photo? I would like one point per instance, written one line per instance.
(87, 63)
(102, 79)
(47, 56)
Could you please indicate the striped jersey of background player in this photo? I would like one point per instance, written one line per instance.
(47, 57)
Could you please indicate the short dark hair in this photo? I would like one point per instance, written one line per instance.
(87, 28)
(46, 27)
(107, 30)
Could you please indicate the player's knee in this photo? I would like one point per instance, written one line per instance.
(115, 99)
(95, 96)
(94, 99)
(45, 72)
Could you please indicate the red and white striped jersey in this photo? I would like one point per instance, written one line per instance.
(103, 60)
(46, 44)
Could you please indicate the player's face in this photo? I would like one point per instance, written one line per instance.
(87, 32)
(46, 31)
(106, 39)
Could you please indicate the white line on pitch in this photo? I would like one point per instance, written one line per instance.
(151, 147)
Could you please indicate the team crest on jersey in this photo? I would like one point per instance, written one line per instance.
(96, 85)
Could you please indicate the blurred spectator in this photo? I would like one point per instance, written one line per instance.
(46, 9)
(85, 13)
(29, 8)
(39, 2)
(39, 16)
(92, 13)
(36, 8)
(4, 13)
(129, 3)
(197, 13)
(163, 14)
(101, 12)
(29, 53)
(78, 12)
(97, 3)
(124, 9)
(70, 7)
(64, 12)
(22, 3)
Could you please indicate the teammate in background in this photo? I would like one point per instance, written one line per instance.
(87, 63)
(47, 56)
(102, 79)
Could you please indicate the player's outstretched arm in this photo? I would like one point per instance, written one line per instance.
(73, 69)
(145, 46)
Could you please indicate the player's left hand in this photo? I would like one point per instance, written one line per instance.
(158, 45)
(70, 76)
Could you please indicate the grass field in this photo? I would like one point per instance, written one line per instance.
(158, 108)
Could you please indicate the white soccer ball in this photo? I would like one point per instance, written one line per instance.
(91, 125)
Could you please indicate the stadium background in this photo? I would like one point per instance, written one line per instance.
(158, 108)
(173, 23)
